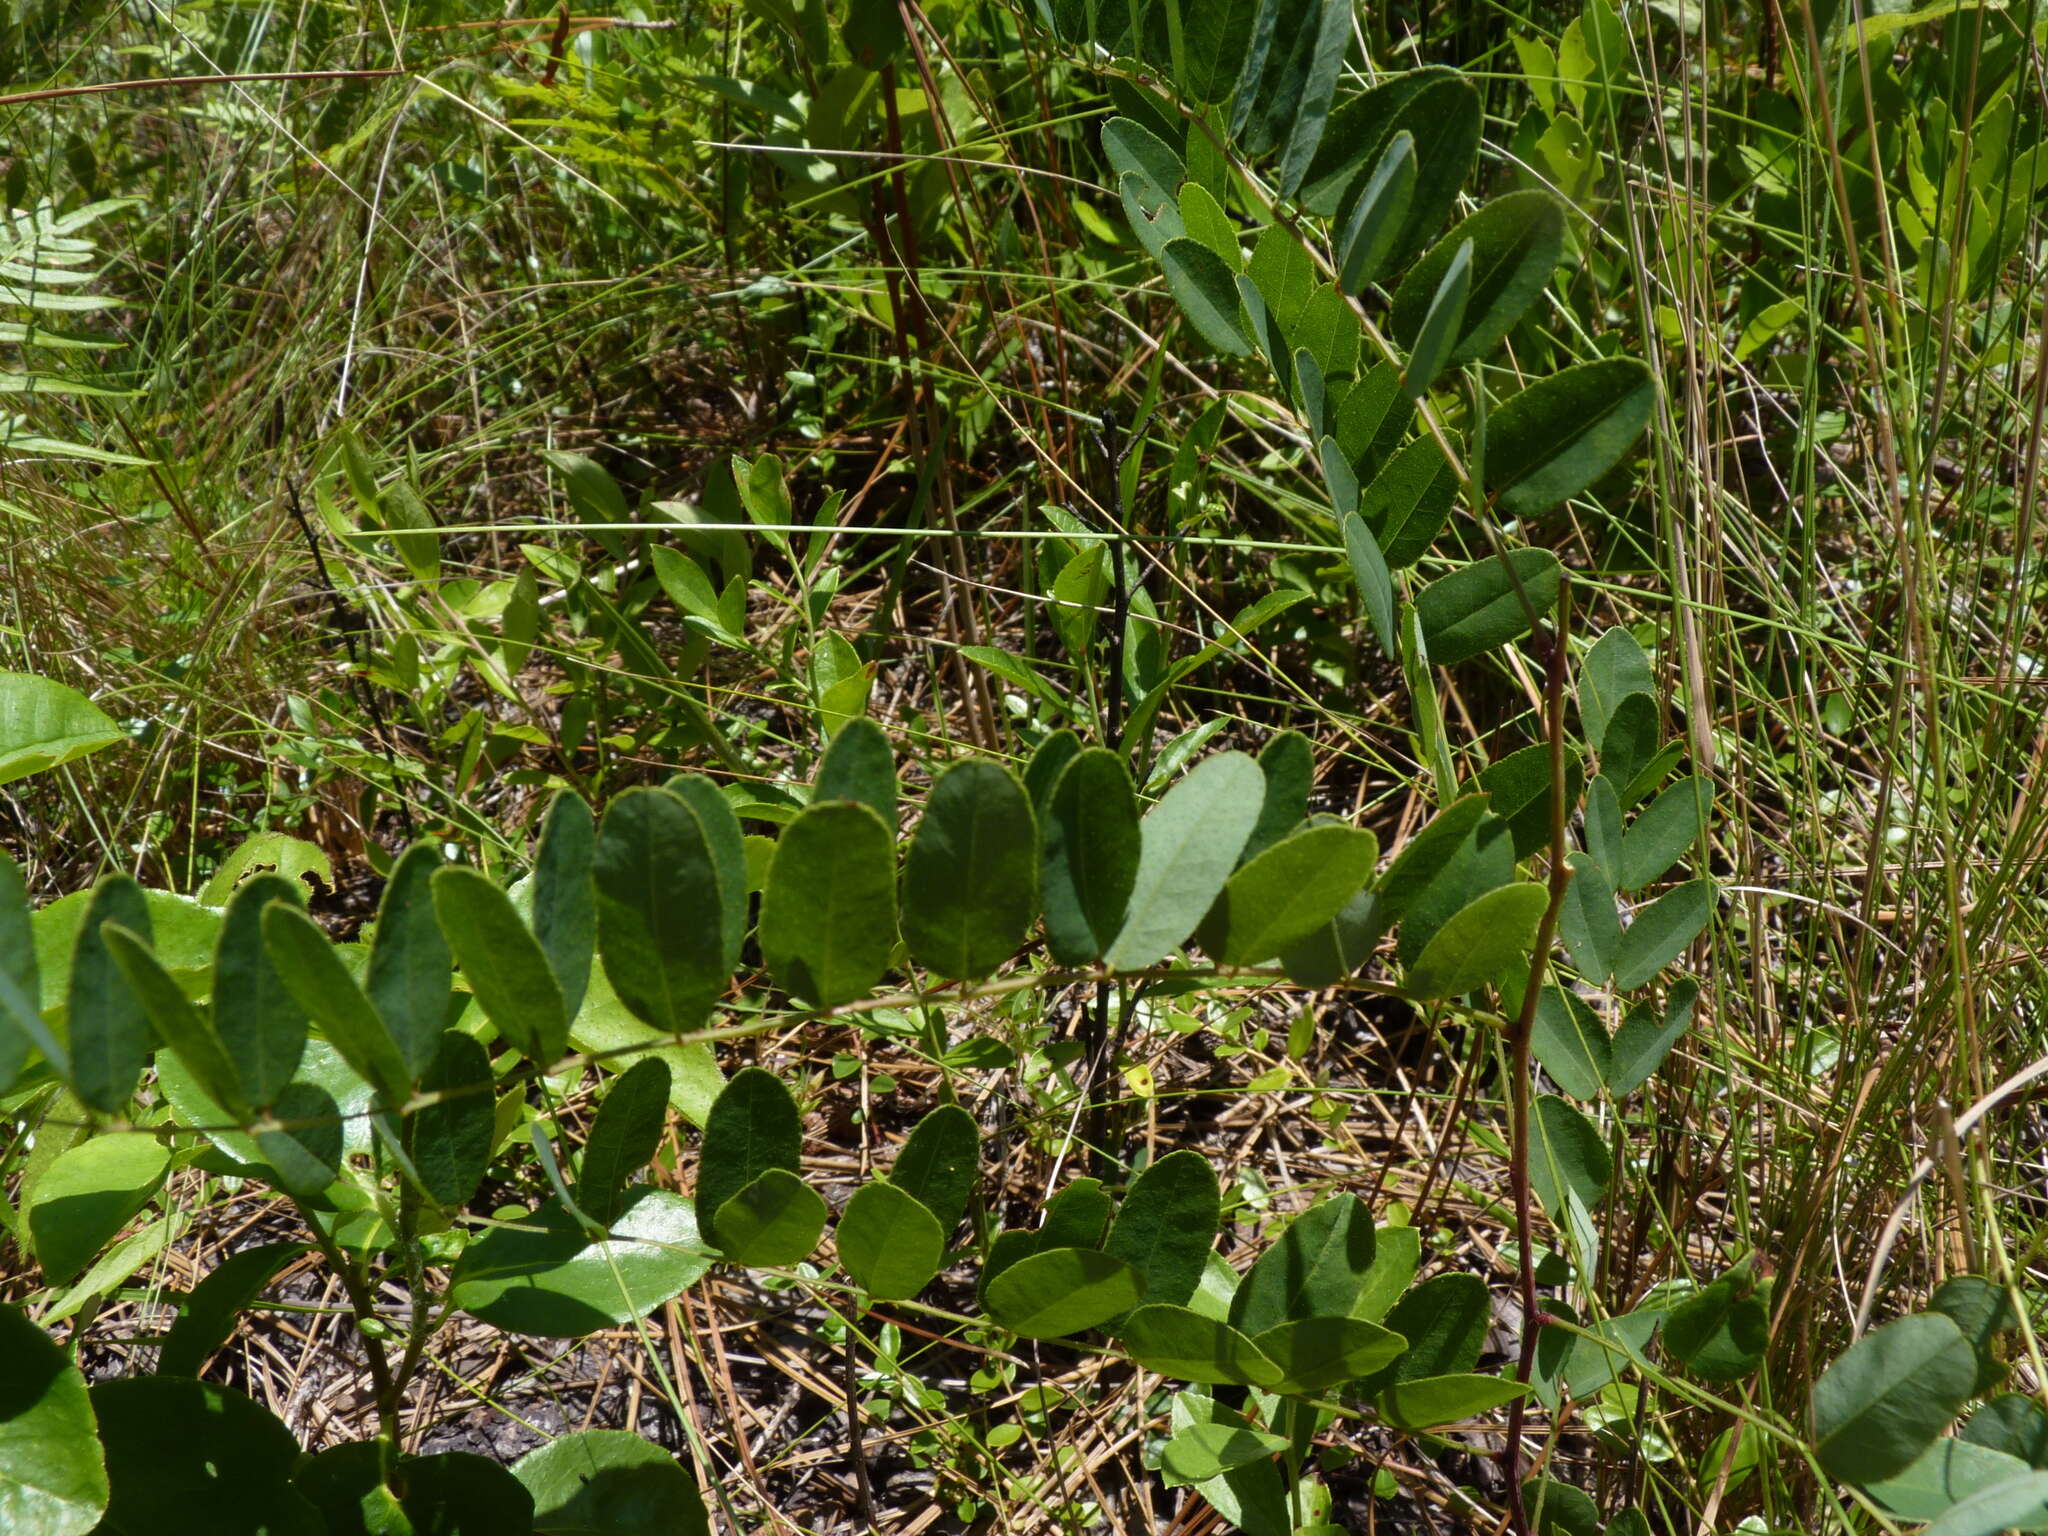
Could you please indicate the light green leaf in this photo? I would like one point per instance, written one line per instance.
(1320, 1352)
(291, 857)
(610, 1482)
(53, 1479)
(1203, 1451)
(503, 963)
(773, 1222)
(44, 724)
(1478, 943)
(1661, 931)
(1440, 325)
(1191, 1346)
(1190, 842)
(1283, 895)
(890, 1243)
(1315, 1268)
(1206, 290)
(87, 1196)
(1061, 1291)
(1430, 1402)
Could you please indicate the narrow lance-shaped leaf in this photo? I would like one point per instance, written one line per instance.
(565, 896)
(1377, 215)
(259, 1023)
(1375, 584)
(503, 962)
(109, 1031)
(411, 972)
(177, 1023)
(316, 976)
(1437, 336)
(1516, 241)
(624, 1135)
(1206, 290)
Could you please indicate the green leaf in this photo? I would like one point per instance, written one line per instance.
(44, 724)
(565, 896)
(1661, 931)
(2020, 1503)
(1566, 1153)
(1288, 892)
(1408, 502)
(206, 1317)
(609, 1482)
(1076, 1216)
(85, 1197)
(176, 1021)
(1369, 572)
(970, 877)
(660, 900)
(1252, 1497)
(1445, 1321)
(292, 857)
(1521, 784)
(1206, 290)
(754, 1127)
(1444, 876)
(1558, 1509)
(2013, 1423)
(53, 1479)
(449, 1143)
(722, 836)
(1315, 1268)
(1951, 1471)
(411, 972)
(1589, 924)
(774, 1222)
(1203, 1451)
(1167, 1225)
(1664, 831)
(624, 1136)
(1565, 431)
(1614, 667)
(260, 1025)
(1430, 1402)
(1479, 943)
(1476, 607)
(1218, 33)
(1190, 842)
(1377, 214)
(1440, 325)
(507, 970)
(1439, 109)
(1134, 150)
(1189, 1346)
(1397, 1253)
(226, 1472)
(1048, 762)
(859, 764)
(541, 1275)
(1982, 1309)
(1090, 855)
(1720, 1332)
(109, 1029)
(1062, 1291)
(1288, 764)
(1571, 1045)
(940, 1164)
(1631, 746)
(890, 1243)
(314, 973)
(18, 970)
(828, 916)
(1156, 224)
(1517, 240)
(1202, 218)
(1317, 1353)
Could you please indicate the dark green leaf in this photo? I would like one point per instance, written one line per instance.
(1369, 572)
(18, 969)
(1566, 1153)
(565, 896)
(1311, 91)
(1520, 785)
(1646, 1038)
(260, 1025)
(541, 1275)
(109, 1030)
(1441, 324)
(754, 1127)
(1409, 501)
(225, 1472)
(1720, 1332)
(2020, 1502)
(315, 974)
(1167, 1225)
(1516, 242)
(1042, 772)
(1429, 1402)
(889, 1242)
(1884, 1401)
(53, 1479)
(1445, 1321)
(609, 1482)
(1190, 842)
(176, 1020)
(1949, 1472)
(727, 846)
(1603, 828)
(449, 1143)
(1570, 1043)
(1338, 948)
(660, 900)
(1982, 1309)
(1076, 1216)
(1315, 1268)
(1062, 1291)
(1377, 215)
(970, 877)
(775, 1221)
(1189, 1346)
(2013, 1423)
(1631, 745)
(1203, 1451)
(859, 764)
(1479, 943)
(1206, 290)
(206, 1318)
(1589, 923)
(1477, 607)
(1317, 1353)
(1661, 931)
(828, 916)
(1558, 1509)
(1134, 150)
(503, 963)
(1437, 855)
(1614, 667)
(624, 1135)
(1288, 764)
(1565, 431)
(1288, 892)
(1217, 35)
(940, 1164)
(1663, 832)
(411, 972)
(1440, 111)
